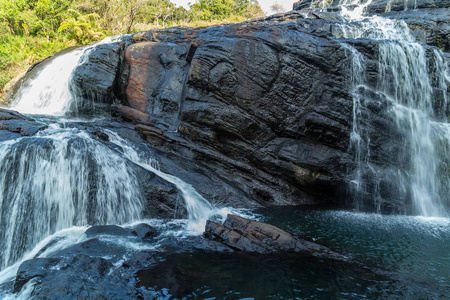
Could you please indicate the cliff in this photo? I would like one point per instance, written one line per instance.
(258, 113)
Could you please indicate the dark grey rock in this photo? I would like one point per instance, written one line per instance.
(251, 236)
(95, 80)
(144, 231)
(14, 124)
(107, 229)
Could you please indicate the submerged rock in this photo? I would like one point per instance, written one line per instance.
(126, 267)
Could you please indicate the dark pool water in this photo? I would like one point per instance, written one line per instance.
(401, 257)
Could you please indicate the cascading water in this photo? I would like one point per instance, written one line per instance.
(58, 179)
(413, 79)
(48, 93)
(62, 177)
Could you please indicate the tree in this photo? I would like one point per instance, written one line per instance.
(277, 8)
(83, 28)
(221, 9)
(33, 17)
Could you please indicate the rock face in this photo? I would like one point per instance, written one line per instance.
(243, 111)
(252, 236)
(95, 80)
(258, 113)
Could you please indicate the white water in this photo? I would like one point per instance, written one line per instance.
(404, 79)
(57, 179)
(198, 208)
(62, 178)
(49, 92)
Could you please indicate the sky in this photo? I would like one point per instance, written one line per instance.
(265, 4)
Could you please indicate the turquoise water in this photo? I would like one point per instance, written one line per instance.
(414, 249)
(399, 257)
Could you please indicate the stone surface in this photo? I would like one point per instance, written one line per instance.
(428, 26)
(106, 230)
(144, 231)
(258, 113)
(95, 80)
(14, 125)
(252, 236)
(239, 116)
(130, 114)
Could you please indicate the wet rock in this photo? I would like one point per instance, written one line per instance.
(141, 260)
(129, 114)
(81, 277)
(14, 124)
(191, 243)
(101, 135)
(106, 229)
(430, 26)
(95, 81)
(34, 268)
(252, 236)
(302, 4)
(157, 79)
(209, 96)
(144, 231)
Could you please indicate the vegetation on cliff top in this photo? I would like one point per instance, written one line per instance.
(33, 29)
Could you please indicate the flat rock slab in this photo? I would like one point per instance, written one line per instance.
(14, 125)
(252, 236)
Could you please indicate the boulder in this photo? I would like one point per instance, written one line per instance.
(226, 97)
(95, 81)
(106, 230)
(251, 236)
(144, 231)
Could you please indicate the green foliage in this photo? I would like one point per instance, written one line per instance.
(34, 17)
(222, 9)
(82, 28)
(17, 53)
(33, 29)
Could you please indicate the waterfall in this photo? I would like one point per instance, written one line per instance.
(48, 93)
(411, 77)
(62, 177)
(198, 208)
(58, 179)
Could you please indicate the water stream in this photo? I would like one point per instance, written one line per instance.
(412, 79)
(48, 93)
(62, 180)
